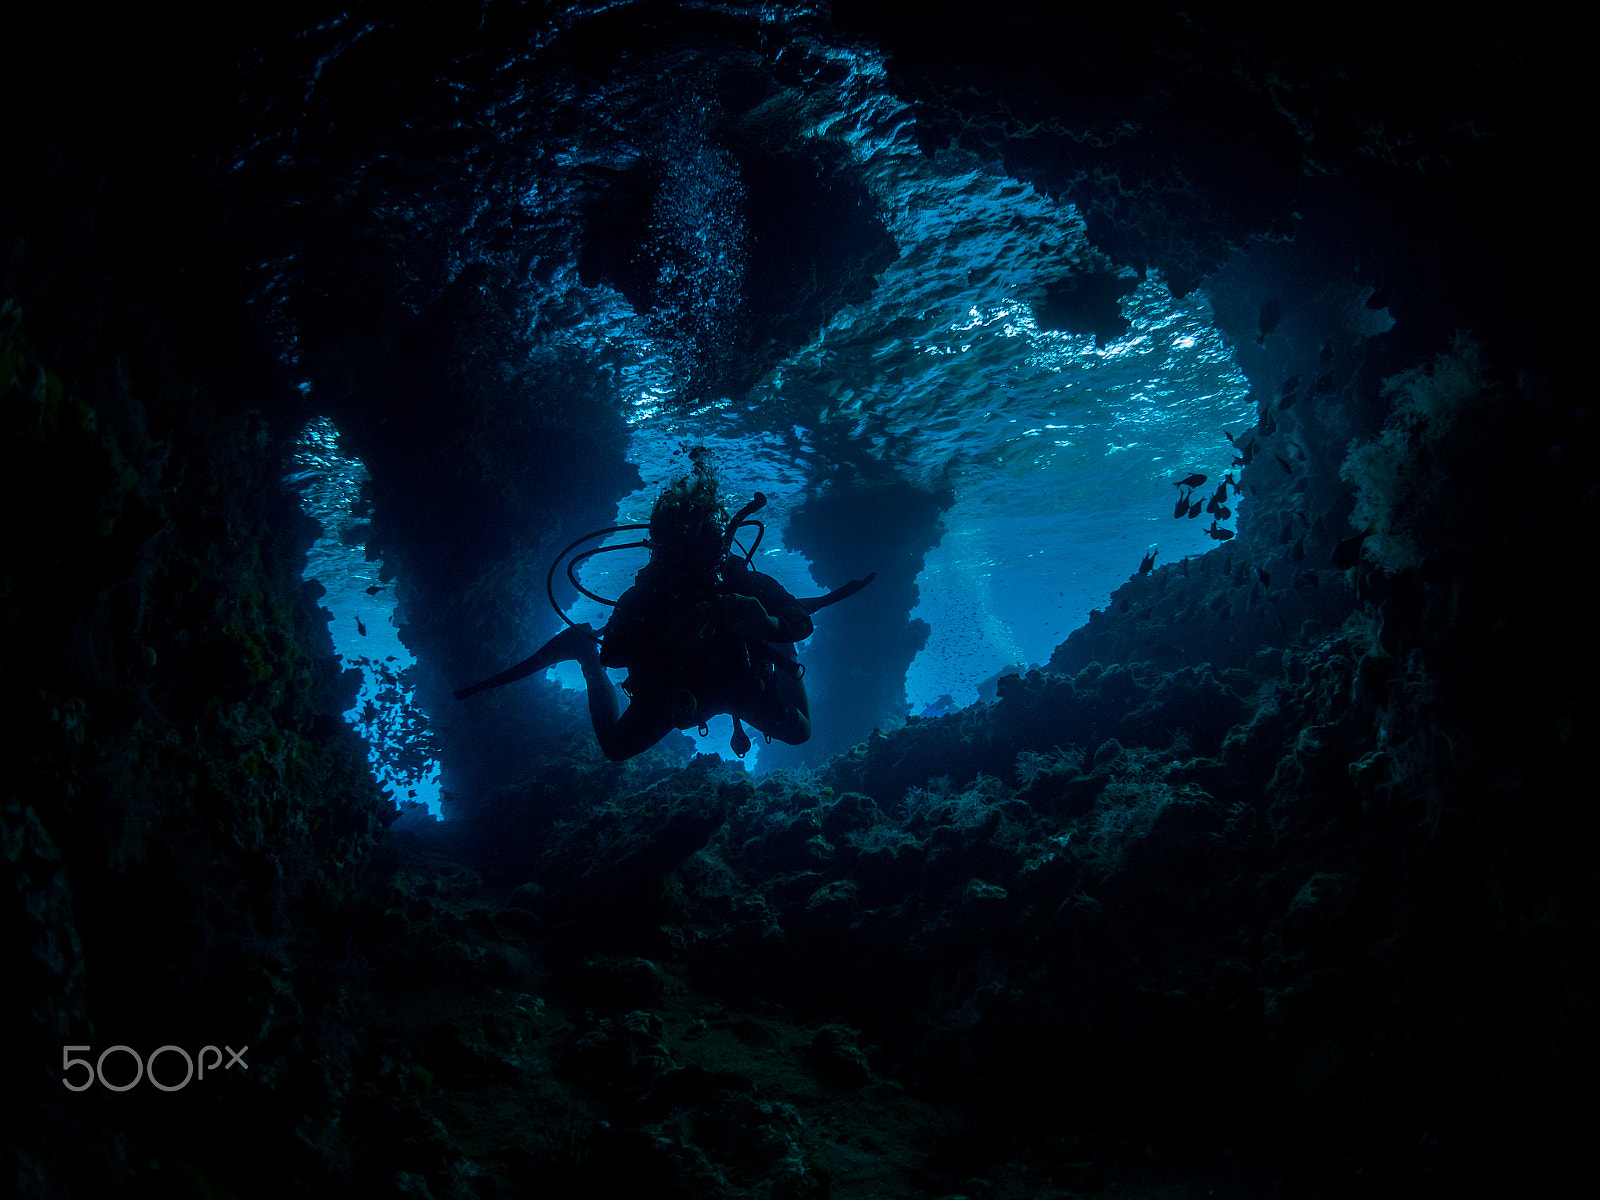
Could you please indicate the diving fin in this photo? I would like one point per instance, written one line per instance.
(839, 593)
(565, 645)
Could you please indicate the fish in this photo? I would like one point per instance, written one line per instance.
(1268, 426)
(1182, 506)
(1268, 319)
(1223, 512)
(1148, 561)
(360, 628)
(1284, 463)
(1219, 532)
(1194, 509)
(1348, 552)
(374, 590)
(1250, 451)
(1192, 481)
(1264, 577)
(1290, 385)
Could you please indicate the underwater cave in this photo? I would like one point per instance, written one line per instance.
(1182, 807)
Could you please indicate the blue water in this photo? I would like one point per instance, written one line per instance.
(385, 712)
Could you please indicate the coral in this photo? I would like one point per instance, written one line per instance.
(1032, 765)
(1130, 803)
(1400, 477)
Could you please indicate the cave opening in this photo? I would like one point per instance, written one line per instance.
(896, 319)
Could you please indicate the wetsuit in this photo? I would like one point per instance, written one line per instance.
(669, 632)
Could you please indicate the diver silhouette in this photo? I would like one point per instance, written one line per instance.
(700, 632)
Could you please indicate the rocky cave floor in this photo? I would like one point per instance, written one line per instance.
(489, 1074)
(1166, 966)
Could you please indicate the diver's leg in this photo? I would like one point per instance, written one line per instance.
(621, 734)
(639, 728)
(795, 724)
(568, 644)
(603, 704)
(782, 711)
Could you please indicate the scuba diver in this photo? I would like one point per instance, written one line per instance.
(700, 632)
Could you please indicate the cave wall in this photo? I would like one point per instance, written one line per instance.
(183, 806)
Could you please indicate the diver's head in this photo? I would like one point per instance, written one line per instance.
(688, 523)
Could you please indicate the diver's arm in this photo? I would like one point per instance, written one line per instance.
(621, 637)
(794, 623)
(786, 620)
(746, 617)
